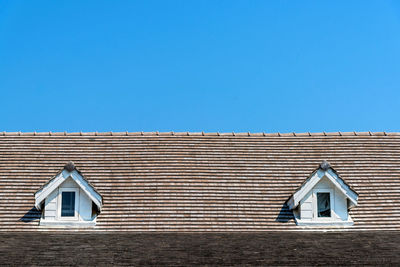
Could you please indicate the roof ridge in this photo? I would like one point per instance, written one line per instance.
(240, 134)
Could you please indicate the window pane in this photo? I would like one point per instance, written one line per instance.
(68, 204)
(324, 205)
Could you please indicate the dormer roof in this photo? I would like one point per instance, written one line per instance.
(324, 170)
(69, 171)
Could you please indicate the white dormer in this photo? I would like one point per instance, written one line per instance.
(324, 199)
(68, 200)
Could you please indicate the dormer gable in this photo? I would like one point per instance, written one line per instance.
(323, 199)
(68, 199)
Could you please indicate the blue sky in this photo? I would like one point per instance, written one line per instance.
(258, 66)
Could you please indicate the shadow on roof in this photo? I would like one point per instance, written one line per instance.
(285, 214)
(32, 215)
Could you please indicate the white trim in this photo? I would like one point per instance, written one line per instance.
(294, 201)
(332, 223)
(315, 204)
(335, 223)
(41, 195)
(76, 209)
(67, 224)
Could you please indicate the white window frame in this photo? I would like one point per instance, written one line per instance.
(315, 204)
(59, 200)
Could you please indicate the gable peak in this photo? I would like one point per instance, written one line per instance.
(70, 166)
(324, 165)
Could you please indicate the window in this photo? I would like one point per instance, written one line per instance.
(68, 204)
(324, 205)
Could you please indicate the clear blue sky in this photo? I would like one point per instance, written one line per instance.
(272, 66)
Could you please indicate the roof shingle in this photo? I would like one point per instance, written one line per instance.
(200, 182)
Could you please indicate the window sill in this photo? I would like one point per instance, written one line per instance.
(325, 223)
(67, 224)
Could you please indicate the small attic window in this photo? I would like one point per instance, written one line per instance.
(68, 204)
(324, 204)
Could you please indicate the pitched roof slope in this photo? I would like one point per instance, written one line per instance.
(197, 181)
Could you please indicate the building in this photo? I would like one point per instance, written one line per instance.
(285, 185)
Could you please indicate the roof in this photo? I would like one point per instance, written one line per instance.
(201, 249)
(200, 181)
(323, 170)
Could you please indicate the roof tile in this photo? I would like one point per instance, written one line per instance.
(196, 182)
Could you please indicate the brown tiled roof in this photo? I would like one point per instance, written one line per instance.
(361, 248)
(200, 181)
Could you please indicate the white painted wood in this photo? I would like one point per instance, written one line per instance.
(341, 205)
(67, 225)
(83, 207)
(315, 205)
(88, 189)
(80, 182)
(308, 215)
(341, 186)
(333, 224)
(294, 201)
(59, 200)
(69, 183)
(306, 210)
(307, 205)
(50, 212)
(44, 192)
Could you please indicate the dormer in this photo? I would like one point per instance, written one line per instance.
(68, 200)
(324, 199)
